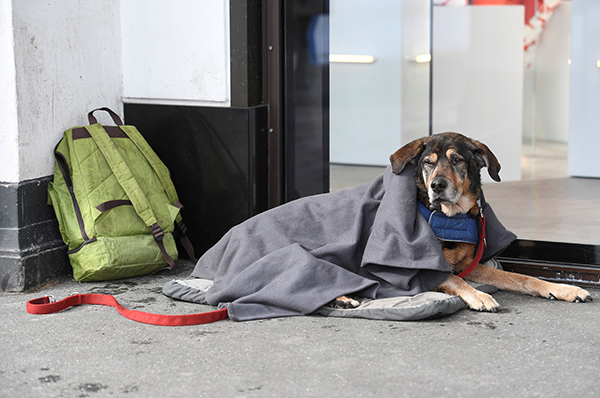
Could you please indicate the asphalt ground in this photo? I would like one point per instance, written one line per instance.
(533, 347)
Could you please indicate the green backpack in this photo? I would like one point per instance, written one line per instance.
(116, 205)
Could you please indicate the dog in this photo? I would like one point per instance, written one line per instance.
(448, 178)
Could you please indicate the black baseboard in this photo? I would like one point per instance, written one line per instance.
(31, 250)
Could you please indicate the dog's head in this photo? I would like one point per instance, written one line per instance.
(448, 170)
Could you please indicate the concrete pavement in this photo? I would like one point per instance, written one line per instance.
(532, 347)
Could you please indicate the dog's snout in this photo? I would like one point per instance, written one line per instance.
(438, 185)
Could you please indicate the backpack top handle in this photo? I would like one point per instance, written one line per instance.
(112, 114)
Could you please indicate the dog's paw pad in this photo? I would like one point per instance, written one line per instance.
(570, 293)
(482, 302)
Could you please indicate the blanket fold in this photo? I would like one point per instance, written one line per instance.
(369, 241)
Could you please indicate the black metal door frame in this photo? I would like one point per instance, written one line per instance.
(273, 53)
(296, 90)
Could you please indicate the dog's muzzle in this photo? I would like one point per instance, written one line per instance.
(440, 190)
(438, 185)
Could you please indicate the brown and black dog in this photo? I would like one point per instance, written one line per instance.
(448, 179)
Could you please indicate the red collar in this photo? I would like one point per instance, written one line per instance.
(480, 247)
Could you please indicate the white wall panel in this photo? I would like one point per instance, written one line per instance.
(176, 50)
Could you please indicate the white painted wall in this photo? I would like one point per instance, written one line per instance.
(478, 78)
(67, 61)
(375, 108)
(176, 51)
(9, 137)
(584, 114)
(552, 77)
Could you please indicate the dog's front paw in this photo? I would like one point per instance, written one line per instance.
(343, 302)
(480, 301)
(568, 293)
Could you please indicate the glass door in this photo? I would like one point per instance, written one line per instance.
(379, 78)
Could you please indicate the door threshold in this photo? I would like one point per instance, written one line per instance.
(560, 262)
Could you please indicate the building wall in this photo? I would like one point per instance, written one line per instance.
(9, 138)
(58, 60)
(68, 61)
(62, 58)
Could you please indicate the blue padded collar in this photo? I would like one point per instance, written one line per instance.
(459, 228)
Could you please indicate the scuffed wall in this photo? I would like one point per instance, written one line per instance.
(9, 143)
(68, 60)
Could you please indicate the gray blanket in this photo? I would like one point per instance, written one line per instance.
(367, 241)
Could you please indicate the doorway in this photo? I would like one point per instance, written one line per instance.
(540, 159)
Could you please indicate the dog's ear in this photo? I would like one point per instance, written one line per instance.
(485, 157)
(407, 154)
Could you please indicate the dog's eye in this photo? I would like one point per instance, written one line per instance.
(427, 162)
(457, 160)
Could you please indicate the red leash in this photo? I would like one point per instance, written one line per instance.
(480, 247)
(46, 305)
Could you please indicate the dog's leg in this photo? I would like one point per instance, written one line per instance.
(475, 299)
(343, 302)
(526, 284)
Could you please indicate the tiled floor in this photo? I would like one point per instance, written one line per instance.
(546, 205)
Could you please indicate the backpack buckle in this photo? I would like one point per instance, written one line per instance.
(157, 232)
(182, 227)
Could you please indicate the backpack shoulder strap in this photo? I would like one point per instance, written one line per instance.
(129, 184)
(163, 175)
(159, 167)
(123, 174)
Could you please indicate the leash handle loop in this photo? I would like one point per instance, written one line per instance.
(46, 305)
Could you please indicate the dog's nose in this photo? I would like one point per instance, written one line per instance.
(438, 185)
